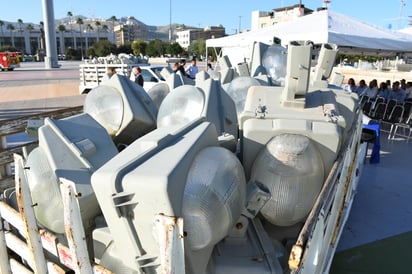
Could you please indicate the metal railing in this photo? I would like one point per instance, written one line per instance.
(17, 125)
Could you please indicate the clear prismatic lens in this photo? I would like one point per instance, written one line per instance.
(182, 105)
(275, 60)
(105, 105)
(291, 168)
(238, 89)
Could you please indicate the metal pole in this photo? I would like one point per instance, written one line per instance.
(170, 23)
(50, 61)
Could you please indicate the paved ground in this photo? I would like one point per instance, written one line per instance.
(378, 234)
(31, 88)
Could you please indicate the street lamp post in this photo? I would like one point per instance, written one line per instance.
(170, 22)
(50, 35)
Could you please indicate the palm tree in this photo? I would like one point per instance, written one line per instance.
(70, 15)
(10, 28)
(80, 22)
(97, 23)
(20, 22)
(61, 29)
(105, 27)
(29, 28)
(42, 35)
(113, 19)
(89, 28)
(1, 28)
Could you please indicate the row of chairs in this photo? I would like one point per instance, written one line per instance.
(404, 125)
(391, 115)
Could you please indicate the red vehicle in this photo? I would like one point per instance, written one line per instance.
(9, 60)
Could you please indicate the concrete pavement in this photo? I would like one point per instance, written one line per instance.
(32, 89)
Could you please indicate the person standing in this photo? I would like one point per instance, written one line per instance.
(192, 70)
(182, 65)
(209, 67)
(109, 73)
(138, 78)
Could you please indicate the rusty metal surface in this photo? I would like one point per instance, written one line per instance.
(295, 257)
(16, 125)
(74, 228)
(26, 210)
(170, 235)
(49, 241)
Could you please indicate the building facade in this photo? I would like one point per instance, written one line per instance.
(31, 40)
(186, 37)
(262, 19)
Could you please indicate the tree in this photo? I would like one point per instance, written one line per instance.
(98, 24)
(113, 19)
(73, 54)
(11, 28)
(139, 47)
(89, 28)
(80, 22)
(105, 28)
(70, 15)
(125, 48)
(20, 22)
(104, 48)
(8, 48)
(42, 35)
(174, 49)
(156, 47)
(2, 34)
(30, 28)
(198, 47)
(61, 29)
(91, 51)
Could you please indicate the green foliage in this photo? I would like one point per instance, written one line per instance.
(212, 53)
(174, 49)
(126, 48)
(104, 48)
(73, 54)
(91, 52)
(356, 58)
(198, 47)
(156, 47)
(8, 48)
(139, 46)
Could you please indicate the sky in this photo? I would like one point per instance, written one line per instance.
(232, 14)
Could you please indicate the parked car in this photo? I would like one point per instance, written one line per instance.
(151, 76)
(91, 75)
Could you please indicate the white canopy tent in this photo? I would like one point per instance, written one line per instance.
(352, 36)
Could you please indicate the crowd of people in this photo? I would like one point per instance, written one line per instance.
(189, 71)
(400, 90)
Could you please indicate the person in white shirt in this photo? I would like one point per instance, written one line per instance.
(350, 86)
(372, 90)
(397, 93)
(408, 91)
